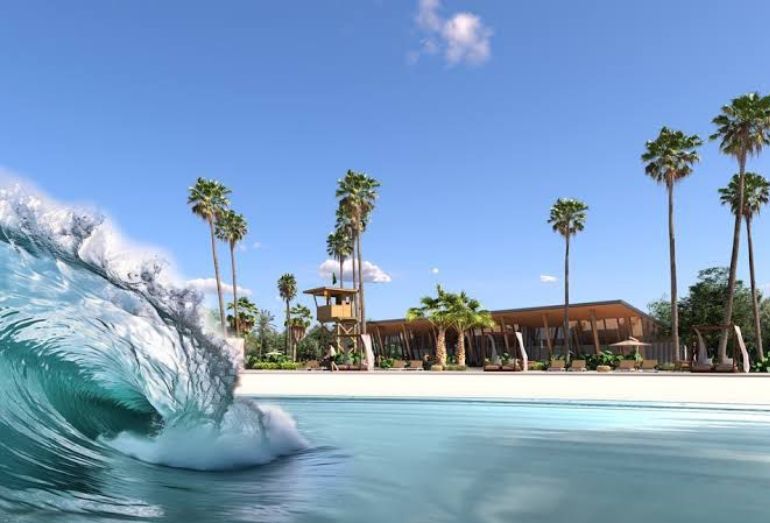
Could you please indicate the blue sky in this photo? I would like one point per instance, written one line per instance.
(475, 116)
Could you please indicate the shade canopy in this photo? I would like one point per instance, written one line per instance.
(630, 342)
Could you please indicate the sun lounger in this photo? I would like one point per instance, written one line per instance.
(727, 366)
(557, 366)
(399, 364)
(578, 366)
(414, 365)
(627, 366)
(649, 365)
(313, 365)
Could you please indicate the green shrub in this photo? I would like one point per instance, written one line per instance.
(667, 366)
(455, 367)
(272, 365)
(538, 365)
(386, 363)
(761, 365)
(603, 358)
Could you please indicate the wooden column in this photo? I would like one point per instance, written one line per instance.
(595, 332)
(408, 354)
(548, 336)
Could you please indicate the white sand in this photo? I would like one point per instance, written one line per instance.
(740, 390)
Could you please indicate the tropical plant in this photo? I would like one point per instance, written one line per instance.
(434, 311)
(742, 131)
(287, 289)
(208, 200)
(247, 315)
(339, 245)
(465, 313)
(300, 321)
(670, 158)
(568, 217)
(232, 228)
(357, 193)
(756, 193)
(265, 328)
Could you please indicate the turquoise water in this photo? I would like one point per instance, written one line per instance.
(117, 404)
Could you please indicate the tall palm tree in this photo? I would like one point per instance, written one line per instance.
(232, 228)
(434, 311)
(670, 158)
(568, 217)
(208, 200)
(465, 313)
(287, 288)
(742, 131)
(340, 246)
(265, 326)
(357, 193)
(756, 193)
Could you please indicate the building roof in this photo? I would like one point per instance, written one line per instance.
(330, 291)
(534, 316)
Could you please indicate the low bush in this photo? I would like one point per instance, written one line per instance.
(668, 367)
(761, 365)
(271, 365)
(603, 358)
(386, 363)
(455, 367)
(538, 365)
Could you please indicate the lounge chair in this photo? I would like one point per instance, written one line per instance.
(577, 366)
(649, 365)
(557, 366)
(727, 366)
(312, 365)
(399, 364)
(414, 365)
(627, 366)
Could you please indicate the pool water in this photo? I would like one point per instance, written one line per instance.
(449, 461)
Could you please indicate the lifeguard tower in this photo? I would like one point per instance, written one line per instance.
(335, 305)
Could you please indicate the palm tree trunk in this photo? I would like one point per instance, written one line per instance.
(287, 341)
(460, 348)
(441, 346)
(728, 317)
(236, 318)
(361, 286)
(216, 275)
(754, 296)
(342, 273)
(672, 262)
(354, 278)
(566, 299)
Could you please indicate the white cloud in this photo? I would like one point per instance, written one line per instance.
(371, 272)
(463, 38)
(256, 245)
(434, 270)
(209, 286)
(546, 278)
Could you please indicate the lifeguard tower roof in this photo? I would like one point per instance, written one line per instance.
(330, 292)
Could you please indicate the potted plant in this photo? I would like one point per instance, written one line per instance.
(489, 366)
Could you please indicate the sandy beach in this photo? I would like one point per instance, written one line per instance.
(736, 390)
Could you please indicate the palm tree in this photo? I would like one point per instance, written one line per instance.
(265, 326)
(742, 131)
(340, 246)
(287, 288)
(208, 199)
(357, 193)
(301, 318)
(568, 217)
(756, 193)
(465, 313)
(247, 314)
(670, 158)
(232, 228)
(434, 311)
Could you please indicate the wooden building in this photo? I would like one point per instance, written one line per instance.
(593, 327)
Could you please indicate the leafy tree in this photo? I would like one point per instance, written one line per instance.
(208, 200)
(287, 289)
(742, 130)
(669, 158)
(704, 305)
(755, 196)
(568, 217)
(232, 228)
(357, 193)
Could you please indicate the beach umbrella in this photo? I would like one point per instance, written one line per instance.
(630, 342)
